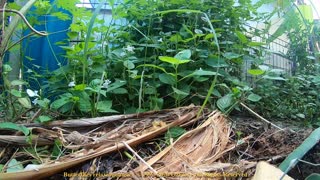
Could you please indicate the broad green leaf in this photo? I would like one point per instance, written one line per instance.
(14, 166)
(13, 126)
(179, 92)
(60, 102)
(225, 102)
(119, 91)
(16, 93)
(216, 93)
(174, 133)
(128, 64)
(105, 107)
(18, 83)
(241, 37)
(183, 55)
(215, 61)
(209, 36)
(44, 119)
(84, 102)
(25, 102)
(231, 55)
(302, 116)
(61, 15)
(172, 60)
(167, 79)
(6, 68)
(256, 72)
(115, 85)
(201, 72)
(84, 105)
(156, 103)
(80, 87)
(273, 78)
(254, 97)
(176, 38)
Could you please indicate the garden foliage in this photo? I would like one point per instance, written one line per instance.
(151, 55)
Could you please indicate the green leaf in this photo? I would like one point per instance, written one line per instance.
(174, 133)
(14, 166)
(116, 85)
(254, 97)
(128, 64)
(241, 37)
(80, 87)
(66, 98)
(16, 93)
(273, 78)
(57, 147)
(44, 119)
(215, 61)
(183, 55)
(302, 116)
(105, 107)
(254, 44)
(119, 91)
(6, 68)
(175, 38)
(225, 102)
(167, 79)
(179, 92)
(61, 15)
(43, 103)
(209, 36)
(84, 102)
(25, 102)
(231, 55)
(18, 83)
(201, 72)
(13, 126)
(256, 72)
(172, 60)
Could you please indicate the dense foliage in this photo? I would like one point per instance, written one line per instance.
(155, 54)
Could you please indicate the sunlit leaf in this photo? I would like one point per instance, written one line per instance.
(256, 72)
(172, 60)
(241, 37)
(25, 102)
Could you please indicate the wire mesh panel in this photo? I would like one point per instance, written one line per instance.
(273, 53)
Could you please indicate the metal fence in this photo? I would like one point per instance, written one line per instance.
(273, 53)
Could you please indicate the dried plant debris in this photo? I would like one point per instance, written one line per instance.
(108, 137)
(142, 145)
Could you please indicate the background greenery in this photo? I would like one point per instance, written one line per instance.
(167, 54)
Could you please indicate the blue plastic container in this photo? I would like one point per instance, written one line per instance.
(44, 54)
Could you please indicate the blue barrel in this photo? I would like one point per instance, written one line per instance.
(44, 54)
